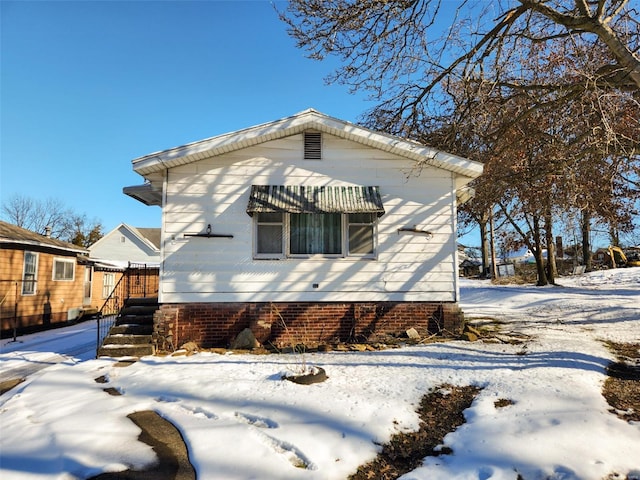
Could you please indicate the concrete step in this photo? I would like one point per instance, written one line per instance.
(138, 309)
(135, 320)
(115, 351)
(142, 301)
(131, 329)
(126, 339)
(131, 336)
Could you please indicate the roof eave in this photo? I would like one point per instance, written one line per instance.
(309, 119)
(50, 246)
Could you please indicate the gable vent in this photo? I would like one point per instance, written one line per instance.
(313, 146)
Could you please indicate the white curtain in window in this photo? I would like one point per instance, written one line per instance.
(315, 233)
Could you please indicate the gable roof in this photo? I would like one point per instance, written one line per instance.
(148, 236)
(12, 234)
(306, 120)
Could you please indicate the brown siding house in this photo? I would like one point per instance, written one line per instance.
(43, 281)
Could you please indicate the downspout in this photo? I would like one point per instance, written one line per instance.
(171, 332)
(454, 214)
(165, 184)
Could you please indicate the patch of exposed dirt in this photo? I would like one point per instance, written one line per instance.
(493, 330)
(7, 385)
(441, 412)
(503, 402)
(173, 459)
(622, 387)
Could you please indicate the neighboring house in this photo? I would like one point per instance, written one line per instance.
(523, 255)
(43, 281)
(126, 244)
(305, 229)
(469, 262)
(116, 251)
(470, 267)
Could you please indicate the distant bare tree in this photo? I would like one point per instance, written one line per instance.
(37, 215)
(52, 217)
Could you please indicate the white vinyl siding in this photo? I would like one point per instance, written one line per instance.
(63, 269)
(216, 191)
(30, 273)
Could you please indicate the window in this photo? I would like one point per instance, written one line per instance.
(361, 234)
(270, 228)
(108, 284)
(281, 235)
(299, 221)
(63, 269)
(30, 273)
(315, 233)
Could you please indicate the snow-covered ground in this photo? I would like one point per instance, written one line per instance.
(241, 421)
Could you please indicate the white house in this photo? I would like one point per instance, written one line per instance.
(307, 228)
(126, 244)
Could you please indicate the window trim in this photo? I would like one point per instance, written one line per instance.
(286, 244)
(285, 236)
(374, 227)
(57, 260)
(34, 282)
(111, 286)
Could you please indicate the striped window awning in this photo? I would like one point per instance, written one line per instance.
(326, 199)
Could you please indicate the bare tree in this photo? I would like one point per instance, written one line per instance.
(398, 52)
(37, 215)
(51, 217)
(401, 41)
(545, 157)
(544, 92)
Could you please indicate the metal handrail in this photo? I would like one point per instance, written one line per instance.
(108, 312)
(129, 285)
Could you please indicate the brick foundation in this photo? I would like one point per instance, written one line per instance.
(280, 324)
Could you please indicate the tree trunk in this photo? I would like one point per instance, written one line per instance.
(614, 235)
(537, 252)
(586, 242)
(494, 264)
(484, 248)
(552, 268)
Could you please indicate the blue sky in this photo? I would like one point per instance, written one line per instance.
(89, 86)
